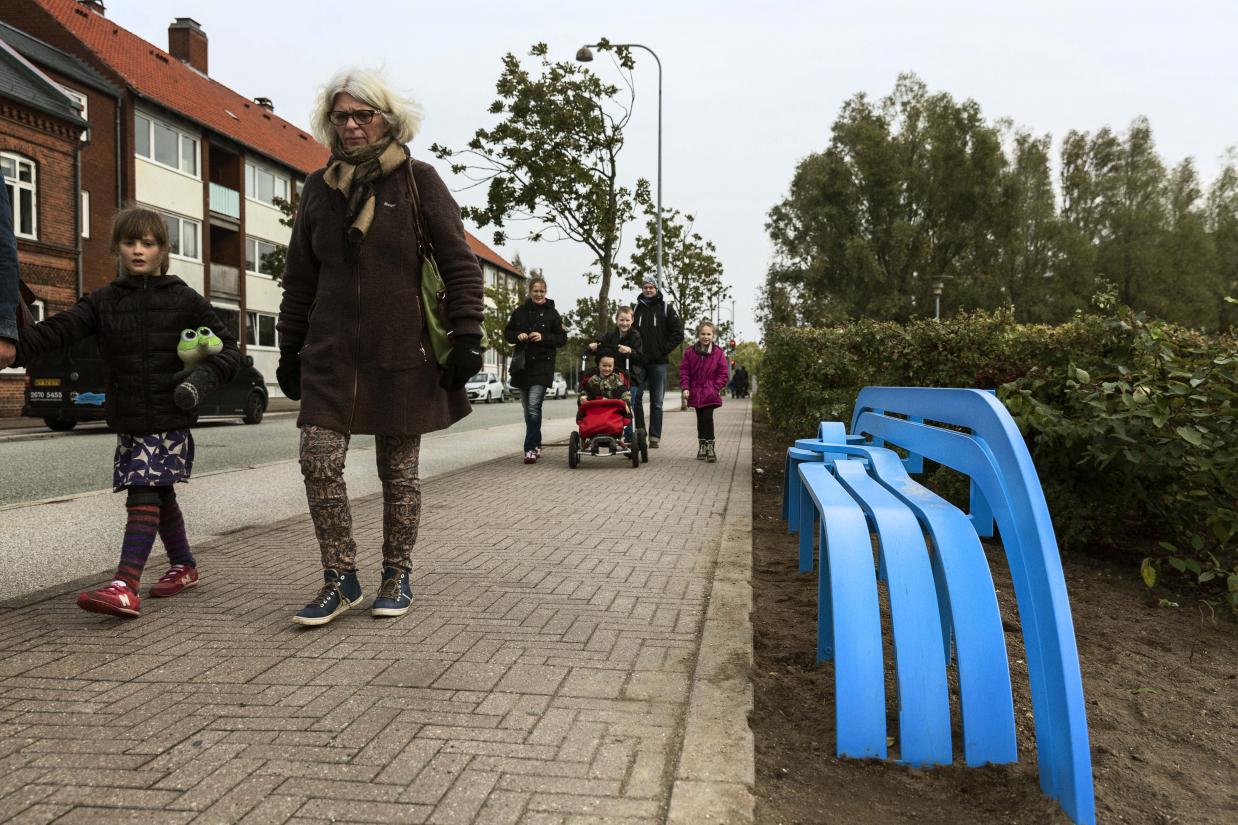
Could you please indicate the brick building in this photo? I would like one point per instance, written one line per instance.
(40, 139)
(213, 162)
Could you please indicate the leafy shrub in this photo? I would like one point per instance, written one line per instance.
(1131, 423)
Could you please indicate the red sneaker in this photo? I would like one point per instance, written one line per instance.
(178, 577)
(114, 600)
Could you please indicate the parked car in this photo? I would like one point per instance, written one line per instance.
(485, 386)
(558, 387)
(68, 386)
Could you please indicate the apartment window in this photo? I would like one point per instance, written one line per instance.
(263, 185)
(20, 177)
(80, 100)
(230, 317)
(260, 330)
(85, 214)
(182, 236)
(258, 255)
(165, 145)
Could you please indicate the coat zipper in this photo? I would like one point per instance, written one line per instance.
(422, 325)
(356, 346)
(146, 397)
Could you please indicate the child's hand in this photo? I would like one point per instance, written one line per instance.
(685, 393)
(593, 347)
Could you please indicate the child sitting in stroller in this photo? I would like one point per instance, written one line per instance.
(605, 383)
(604, 414)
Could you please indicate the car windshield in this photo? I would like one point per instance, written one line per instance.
(479, 378)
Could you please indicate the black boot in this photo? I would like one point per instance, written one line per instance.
(700, 449)
(710, 455)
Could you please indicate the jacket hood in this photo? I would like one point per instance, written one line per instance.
(549, 302)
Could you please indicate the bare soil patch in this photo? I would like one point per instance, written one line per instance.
(1161, 687)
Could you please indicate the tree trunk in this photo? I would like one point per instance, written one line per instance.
(604, 298)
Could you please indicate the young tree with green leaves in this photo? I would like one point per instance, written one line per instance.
(551, 163)
(691, 271)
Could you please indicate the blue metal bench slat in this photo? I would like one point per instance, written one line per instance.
(849, 617)
(919, 655)
(998, 461)
(969, 604)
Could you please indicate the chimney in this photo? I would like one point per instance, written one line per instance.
(94, 5)
(187, 42)
(265, 102)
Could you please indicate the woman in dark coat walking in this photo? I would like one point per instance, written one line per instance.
(354, 344)
(537, 331)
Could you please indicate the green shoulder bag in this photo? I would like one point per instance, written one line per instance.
(433, 290)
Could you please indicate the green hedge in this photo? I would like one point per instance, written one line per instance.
(1132, 424)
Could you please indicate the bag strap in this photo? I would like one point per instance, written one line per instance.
(424, 242)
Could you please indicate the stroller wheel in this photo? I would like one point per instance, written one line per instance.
(632, 448)
(573, 451)
(642, 444)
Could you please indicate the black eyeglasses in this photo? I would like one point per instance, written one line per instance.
(361, 117)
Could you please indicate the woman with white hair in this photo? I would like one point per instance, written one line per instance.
(354, 345)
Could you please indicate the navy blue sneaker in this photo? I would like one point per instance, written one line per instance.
(338, 593)
(395, 595)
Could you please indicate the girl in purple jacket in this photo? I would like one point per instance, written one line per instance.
(702, 375)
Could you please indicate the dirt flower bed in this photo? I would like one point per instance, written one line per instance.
(1161, 687)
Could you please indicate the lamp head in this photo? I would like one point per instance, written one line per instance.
(584, 55)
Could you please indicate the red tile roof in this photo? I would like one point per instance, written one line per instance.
(155, 74)
(487, 254)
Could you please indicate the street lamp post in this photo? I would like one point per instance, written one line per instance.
(584, 55)
(938, 286)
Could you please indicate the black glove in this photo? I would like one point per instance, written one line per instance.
(191, 388)
(463, 362)
(288, 373)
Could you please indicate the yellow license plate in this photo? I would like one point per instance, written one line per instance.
(47, 382)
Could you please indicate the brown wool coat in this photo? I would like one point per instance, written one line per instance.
(366, 361)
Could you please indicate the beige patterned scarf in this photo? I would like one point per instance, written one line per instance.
(353, 173)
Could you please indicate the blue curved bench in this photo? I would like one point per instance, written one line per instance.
(940, 589)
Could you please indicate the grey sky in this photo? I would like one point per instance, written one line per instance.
(748, 89)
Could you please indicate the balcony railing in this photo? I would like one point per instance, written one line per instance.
(225, 201)
(225, 281)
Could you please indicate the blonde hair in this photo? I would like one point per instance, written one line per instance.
(134, 223)
(704, 324)
(403, 114)
(623, 310)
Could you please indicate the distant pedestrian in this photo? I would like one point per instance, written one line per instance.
(9, 295)
(354, 345)
(661, 331)
(151, 397)
(537, 331)
(702, 375)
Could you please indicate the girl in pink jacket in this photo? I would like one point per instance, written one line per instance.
(702, 375)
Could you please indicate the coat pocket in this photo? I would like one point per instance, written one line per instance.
(396, 339)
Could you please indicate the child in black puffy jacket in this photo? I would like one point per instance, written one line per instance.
(151, 397)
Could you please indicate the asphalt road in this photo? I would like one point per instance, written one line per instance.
(37, 464)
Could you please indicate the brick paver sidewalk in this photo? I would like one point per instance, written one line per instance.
(541, 677)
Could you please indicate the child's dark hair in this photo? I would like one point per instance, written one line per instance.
(135, 223)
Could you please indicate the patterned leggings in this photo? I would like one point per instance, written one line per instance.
(322, 464)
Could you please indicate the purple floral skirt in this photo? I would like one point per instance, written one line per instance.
(154, 460)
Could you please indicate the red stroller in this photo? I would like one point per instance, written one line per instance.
(602, 427)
